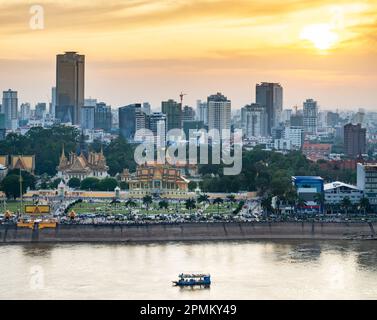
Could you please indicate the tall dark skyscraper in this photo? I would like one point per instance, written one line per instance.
(70, 86)
(10, 109)
(127, 120)
(354, 140)
(270, 96)
(173, 112)
(103, 117)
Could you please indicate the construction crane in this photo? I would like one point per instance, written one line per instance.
(182, 96)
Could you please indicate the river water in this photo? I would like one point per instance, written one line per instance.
(240, 270)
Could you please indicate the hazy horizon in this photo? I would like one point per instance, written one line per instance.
(150, 51)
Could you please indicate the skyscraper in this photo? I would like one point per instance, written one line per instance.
(173, 112)
(270, 96)
(53, 102)
(70, 85)
(254, 120)
(188, 114)
(103, 117)
(354, 140)
(202, 111)
(310, 116)
(219, 112)
(25, 111)
(10, 109)
(87, 117)
(127, 120)
(40, 110)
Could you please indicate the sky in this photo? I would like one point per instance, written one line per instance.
(138, 50)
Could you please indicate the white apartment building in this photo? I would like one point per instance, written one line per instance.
(367, 181)
(219, 112)
(335, 192)
(295, 135)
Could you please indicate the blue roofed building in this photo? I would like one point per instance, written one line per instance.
(308, 188)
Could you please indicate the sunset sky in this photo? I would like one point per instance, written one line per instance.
(152, 50)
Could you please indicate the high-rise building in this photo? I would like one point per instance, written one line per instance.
(157, 124)
(219, 112)
(202, 111)
(87, 117)
(367, 181)
(354, 140)
(25, 111)
(146, 108)
(254, 120)
(53, 102)
(297, 120)
(295, 135)
(332, 119)
(103, 117)
(40, 110)
(173, 112)
(188, 114)
(70, 86)
(127, 120)
(2, 126)
(10, 109)
(270, 96)
(310, 116)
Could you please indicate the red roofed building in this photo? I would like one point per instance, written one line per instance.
(316, 151)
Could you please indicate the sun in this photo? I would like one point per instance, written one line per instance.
(321, 35)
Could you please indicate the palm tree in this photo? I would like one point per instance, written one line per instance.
(231, 198)
(131, 203)
(148, 200)
(203, 198)
(319, 198)
(291, 197)
(163, 204)
(266, 205)
(346, 204)
(301, 203)
(218, 201)
(364, 204)
(190, 204)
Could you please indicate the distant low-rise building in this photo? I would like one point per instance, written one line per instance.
(316, 151)
(160, 181)
(308, 188)
(336, 191)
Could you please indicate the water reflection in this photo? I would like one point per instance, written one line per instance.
(240, 270)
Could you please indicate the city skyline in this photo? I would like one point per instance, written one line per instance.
(324, 51)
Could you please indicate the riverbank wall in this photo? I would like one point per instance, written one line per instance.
(188, 232)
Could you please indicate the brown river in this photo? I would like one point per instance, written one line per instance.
(239, 270)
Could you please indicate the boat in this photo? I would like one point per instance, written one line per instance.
(192, 280)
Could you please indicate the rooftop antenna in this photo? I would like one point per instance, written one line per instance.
(182, 96)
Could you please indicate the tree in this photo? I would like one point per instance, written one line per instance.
(192, 185)
(218, 201)
(266, 204)
(364, 204)
(346, 204)
(90, 184)
(148, 200)
(74, 183)
(131, 203)
(203, 198)
(163, 204)
(54, 184)
(231, 198)
(319, 198)
(11, 186)
(190, 204)
(301, 203)
(107, 184)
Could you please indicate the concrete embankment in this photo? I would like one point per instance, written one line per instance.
(188, 232)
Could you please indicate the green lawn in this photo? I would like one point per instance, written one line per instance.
(13, 206)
